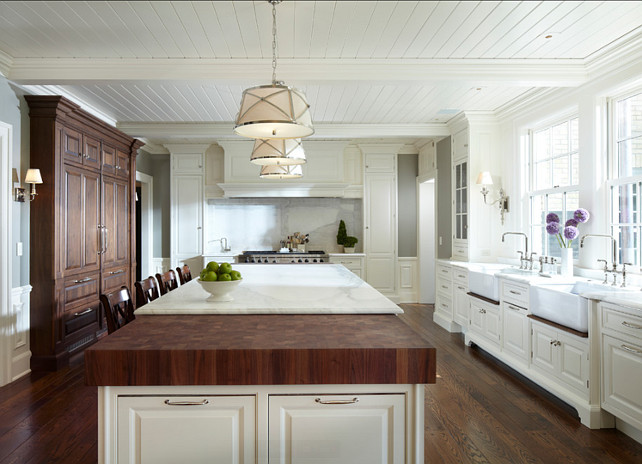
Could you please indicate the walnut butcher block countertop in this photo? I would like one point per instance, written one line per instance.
(261, 350)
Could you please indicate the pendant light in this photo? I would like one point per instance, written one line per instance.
(292, 171)
(274, 111)
(282, 152)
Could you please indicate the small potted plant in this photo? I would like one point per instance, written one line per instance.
(341, 235)
(349, 243)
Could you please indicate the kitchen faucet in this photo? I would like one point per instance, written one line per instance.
(523, 258)
(614, 269)
(223, 241)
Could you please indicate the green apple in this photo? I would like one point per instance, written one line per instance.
(210, 276)
(212, 266)
(224, 277)
(225, 268)
(235, 275)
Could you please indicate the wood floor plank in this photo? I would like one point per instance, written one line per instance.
(479, 411)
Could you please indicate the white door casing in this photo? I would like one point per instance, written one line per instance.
(146, 202)
(5, 251)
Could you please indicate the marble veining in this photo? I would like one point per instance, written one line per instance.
(281, 289)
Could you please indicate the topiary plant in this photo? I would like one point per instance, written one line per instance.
(350, 241)
(341, 233)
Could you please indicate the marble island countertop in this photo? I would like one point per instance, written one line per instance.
(281, 289)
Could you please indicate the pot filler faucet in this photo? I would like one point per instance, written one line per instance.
(223, 243)
(523, 255)
(614, 270)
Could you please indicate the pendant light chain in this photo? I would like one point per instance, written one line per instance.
(274, 3)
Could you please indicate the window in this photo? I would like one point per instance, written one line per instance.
(554, 180)
(625, 182)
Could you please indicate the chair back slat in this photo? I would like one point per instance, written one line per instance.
(184, 274)
(146, 290)
(167, 281)
(118, 307)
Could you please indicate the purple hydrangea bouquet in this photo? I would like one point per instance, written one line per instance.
(565, 235)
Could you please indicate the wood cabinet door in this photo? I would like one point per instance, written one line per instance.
(80, 221)
(191, 429)
(115, 221)
(337, 429)
(71, 146)
(122, 164)
(91, 152)
(109, 160)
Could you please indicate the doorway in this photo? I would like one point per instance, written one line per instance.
(427, 245)
(144, 225)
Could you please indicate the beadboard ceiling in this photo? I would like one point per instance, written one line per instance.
(164, 70)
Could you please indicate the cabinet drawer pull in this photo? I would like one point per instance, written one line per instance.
(514, 292)
(352, 401)
(117, 272)
(630, 350)
(461, 288)
(514, 308)
(444, 306)
(186, 403)
(630, 325)
(461, 276)
(444, 271)
(86, 311)
(443, 286)
(482, 311)
(556, 342)
(82, 281)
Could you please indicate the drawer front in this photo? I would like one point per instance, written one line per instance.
(350, 263)
(114, 279)
(621, 392)
(516, 294)
(79, 317)
(622, 322)
(444, 286)
(81, 289)
(444, 271)
(444, 306)
(460, 275)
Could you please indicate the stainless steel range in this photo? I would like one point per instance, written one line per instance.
(276, 257)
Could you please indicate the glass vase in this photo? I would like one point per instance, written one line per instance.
(566, 265)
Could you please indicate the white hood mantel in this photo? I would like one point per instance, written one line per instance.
(333, 170)
(285, 189)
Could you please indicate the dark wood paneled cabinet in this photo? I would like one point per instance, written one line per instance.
(82, 226)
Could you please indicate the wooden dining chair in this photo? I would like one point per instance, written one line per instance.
(146, 290)
(167, 282)
(118, 307)
(184, 274)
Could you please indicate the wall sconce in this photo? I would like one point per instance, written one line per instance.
(33, 177)
(485, 179)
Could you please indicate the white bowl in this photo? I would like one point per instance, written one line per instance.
(220, 290)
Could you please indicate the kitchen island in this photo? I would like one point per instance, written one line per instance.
(259, 388)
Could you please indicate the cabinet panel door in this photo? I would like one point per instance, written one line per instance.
(187, 216)
(461, 306)
(544, 353)
(381, 273)
(574, 364)
(91, 152)
(81, 206)
(622, 364)
(122, 164)
(516, 331)
(493, 324)
(477, 318)
(109, 160)
(115, 221)
(222, 430)
(72, 145)
(381, 213)
(303, 429)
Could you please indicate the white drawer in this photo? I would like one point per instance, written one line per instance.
(444, 306)
(614, 318)
(516, 294)
(460, 275)
(444, 271)
(350, 263)
(444, 286)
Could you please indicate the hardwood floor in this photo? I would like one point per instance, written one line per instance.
(479, 411)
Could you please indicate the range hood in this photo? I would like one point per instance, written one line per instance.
(285, 189)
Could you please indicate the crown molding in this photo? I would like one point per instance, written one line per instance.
(518, 72)
(612, 59)
(216, 131)
(6, 62)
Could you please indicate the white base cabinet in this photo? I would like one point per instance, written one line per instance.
(166, 429)
(284, 424)
(336, 429)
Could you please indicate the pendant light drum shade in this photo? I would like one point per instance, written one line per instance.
(281, 172)
(284, 152)
(274, 111)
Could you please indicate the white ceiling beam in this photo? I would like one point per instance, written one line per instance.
(532, 73)
(217, 131)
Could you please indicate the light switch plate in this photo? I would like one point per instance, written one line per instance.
(19, 249)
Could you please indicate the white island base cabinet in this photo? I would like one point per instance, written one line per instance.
(284, 424)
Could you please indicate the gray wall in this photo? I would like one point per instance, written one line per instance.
(14, 111)
(407, 171)
(157, 166)
(444, 200)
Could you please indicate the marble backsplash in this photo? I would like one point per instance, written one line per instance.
(261, 223)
